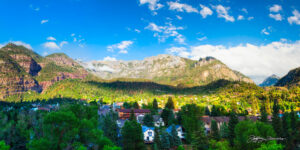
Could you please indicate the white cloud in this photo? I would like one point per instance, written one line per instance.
(137, 30)
(202, 38)
(51, 46)
(107, 58)
(164, 32)
(277, 17)
(152, 4)
(294, 19)
(205, 11)
(250, 18)
(179, 51)
(275, 8)
(73, 34)
(240, 17)
(178, 17)
(50, 38)
(223, 13)
(122, 47)
(2, 45)
(244, 10)
(265, 31)
(63, 43)
(44, 21)
(182, 7)
(255, 61)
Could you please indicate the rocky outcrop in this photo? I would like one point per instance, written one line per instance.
(167, 69)
(21, 70)
(291, 79)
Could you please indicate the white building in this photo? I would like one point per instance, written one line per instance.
(178, 129)
(148, 134)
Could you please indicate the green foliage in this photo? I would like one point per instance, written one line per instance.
(245, 130)
(276, 121)
(148, 120)
(3, 146)
(175, 137)
(215, 130)
(157, 140)
(170, 104)
(199, 139)
(191, 114)
(165, 140)
(233, 121)
(110, 127)
(180, 147)
(219, 145)
(168, 116)
(132, 136)
(270, 146)
(224, 131)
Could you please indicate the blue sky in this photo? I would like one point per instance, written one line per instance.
(135, 29)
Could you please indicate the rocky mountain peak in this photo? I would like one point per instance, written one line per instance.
(270, 81)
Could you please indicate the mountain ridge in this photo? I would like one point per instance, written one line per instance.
(292, 78)
(166, 69)
(270, 81)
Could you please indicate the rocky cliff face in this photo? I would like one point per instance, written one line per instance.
(270, 81)
(291, 79)
(21, 70)
(167, 69)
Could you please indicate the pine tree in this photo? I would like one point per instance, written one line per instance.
(148, 120)
(199, 139)
(224, 131)
(170, 104)
(207, 111)
(214, 111)
(132, 115)
(276, 122)
(157, 140)
(264, 115)
(176, 138)
(233, 121)
(110, 128)
(214, 130)
(136, 105)
(155, 104)
(165, 141)
(132, 136)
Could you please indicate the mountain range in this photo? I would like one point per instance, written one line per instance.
(167, 69)
(270, 81)
(23, 70)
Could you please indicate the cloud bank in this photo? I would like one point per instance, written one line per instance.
(255, 61)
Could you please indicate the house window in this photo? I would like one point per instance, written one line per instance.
(150, 133)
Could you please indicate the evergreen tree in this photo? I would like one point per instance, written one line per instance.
(136, 105)
(176, 138)
(264, 115)
(199, 139)
(148, 120)
(224, 131)
(126, 105)
(165, 141)
(110, 128)
(155, 104)
(207, 111)
(132, 136)
(168, 116)
(170, 104)
(233, 121)
(214, 111)
(215, 130)
(157, 140)
(276, 121)
(3, 146)
(132, 115)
